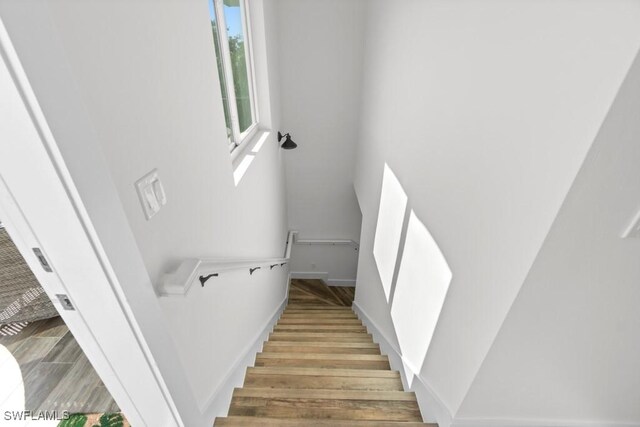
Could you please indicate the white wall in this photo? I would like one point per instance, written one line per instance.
(128, 87)
(320, 52)
(158, 102)
(568, 351)
(484, 111)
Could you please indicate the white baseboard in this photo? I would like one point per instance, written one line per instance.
(324, 276)
(341, 282)
(497, 422)
(218, 403)
(431, 407)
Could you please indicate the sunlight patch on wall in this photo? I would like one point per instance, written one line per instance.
(256, 148)
(421, 288)
(393, 204)
(242, 168)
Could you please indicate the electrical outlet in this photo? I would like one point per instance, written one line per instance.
(633, 230)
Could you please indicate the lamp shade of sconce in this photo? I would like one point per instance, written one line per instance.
(288, 143)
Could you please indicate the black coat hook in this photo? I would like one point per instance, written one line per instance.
(203, 279)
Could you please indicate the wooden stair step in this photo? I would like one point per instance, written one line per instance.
(240, 421)
(293, 306)
(321, 344)
(320, 328)
(321, 336)
(319, 315)
(306, 320)
(351, 361)
(322, 356)
(275, 393)
(325, 381)
(325, 404)
(358, 373)
(320, 347)
(297, 295)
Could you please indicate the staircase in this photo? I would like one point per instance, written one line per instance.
(320, 367)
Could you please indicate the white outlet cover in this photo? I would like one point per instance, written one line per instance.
(633, 230)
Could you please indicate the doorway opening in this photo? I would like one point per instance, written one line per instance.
(44, 369)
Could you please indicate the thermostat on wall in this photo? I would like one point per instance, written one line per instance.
(151, 193)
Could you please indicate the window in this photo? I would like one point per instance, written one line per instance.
(232, 43)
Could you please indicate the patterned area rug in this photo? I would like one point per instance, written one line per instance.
(95, 420)
(21, 296)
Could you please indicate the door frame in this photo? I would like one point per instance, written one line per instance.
(42, 208)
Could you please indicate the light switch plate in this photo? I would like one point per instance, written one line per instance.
(151, 193)
(633, 230)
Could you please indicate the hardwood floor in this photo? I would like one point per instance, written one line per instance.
(320, 367)
(55, 372)
(313, 292)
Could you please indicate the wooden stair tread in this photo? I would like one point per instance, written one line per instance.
(322, 356)
(322, 334)
(276, 393)
(319, 317)
(382, 410)
(312, 347)
(326, 382)
(364, 373)
(321, 328)
(319, 321)
(241, 421)
(324, 363)
(302, 307)
(321, 344)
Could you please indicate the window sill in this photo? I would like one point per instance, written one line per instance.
(245, 154)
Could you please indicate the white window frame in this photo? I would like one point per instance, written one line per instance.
(238, 138)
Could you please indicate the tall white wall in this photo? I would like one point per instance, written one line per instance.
(131, 86)
(484, 111)
(568, 351)
(320, 56)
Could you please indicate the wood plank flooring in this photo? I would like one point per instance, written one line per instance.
(56, 374)
(320, 367)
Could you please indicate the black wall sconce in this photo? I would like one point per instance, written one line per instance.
(288, 143)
